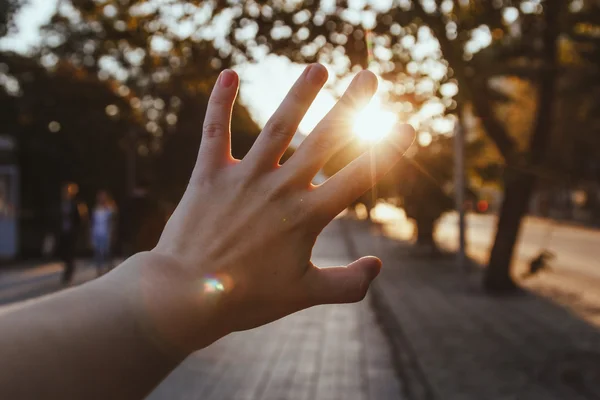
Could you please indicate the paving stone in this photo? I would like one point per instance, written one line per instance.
(454, 342)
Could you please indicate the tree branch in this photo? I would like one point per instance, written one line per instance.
(478, 95)
(548, 78)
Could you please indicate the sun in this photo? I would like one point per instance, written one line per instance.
(373, 123)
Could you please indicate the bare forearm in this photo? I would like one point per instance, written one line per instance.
(94, 341)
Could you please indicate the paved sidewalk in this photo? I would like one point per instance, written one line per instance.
(325, 353)
(20, 284)
(454, 342)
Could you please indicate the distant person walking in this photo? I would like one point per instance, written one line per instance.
(103, 217)
(69, 225)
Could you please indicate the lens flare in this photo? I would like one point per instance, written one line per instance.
(213, 285)
(374, 123)
(369, 41)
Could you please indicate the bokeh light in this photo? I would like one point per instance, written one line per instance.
(54, 126)
(112, 110)
(425, 139)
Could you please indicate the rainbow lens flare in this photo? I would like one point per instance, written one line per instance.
(213, 285)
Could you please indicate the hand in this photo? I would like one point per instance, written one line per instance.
(242, 235)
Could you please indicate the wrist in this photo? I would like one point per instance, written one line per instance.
(169, 305)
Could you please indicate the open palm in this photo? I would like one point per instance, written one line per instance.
(244, 230)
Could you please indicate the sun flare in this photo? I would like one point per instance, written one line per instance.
(374, 123)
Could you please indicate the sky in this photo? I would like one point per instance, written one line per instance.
(265, 84)
(29, 20)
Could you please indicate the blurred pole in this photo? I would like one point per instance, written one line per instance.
(131, 161)
(460, 187)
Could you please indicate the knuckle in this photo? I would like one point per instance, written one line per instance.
(331, 134)
(200, 180)
(324, 142)
(213, 129)
(276, 193)
(349, 100)
(246, 181)
(247, 177)
(278, 129)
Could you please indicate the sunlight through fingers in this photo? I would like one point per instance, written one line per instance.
(373, 123)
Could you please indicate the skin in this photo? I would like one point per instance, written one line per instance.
(235, 255)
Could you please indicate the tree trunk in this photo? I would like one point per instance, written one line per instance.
(516, 203)
(519, 189)
(425, 229)
(518, 192)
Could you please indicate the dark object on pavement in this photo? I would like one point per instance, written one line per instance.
(539, 263)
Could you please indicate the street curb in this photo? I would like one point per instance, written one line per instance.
(414, 382)
(416, 385)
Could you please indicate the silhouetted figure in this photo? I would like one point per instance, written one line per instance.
(102, 230)
(69, 226)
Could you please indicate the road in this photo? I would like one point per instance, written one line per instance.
(573, 279)
(18, 284)
(577, 249)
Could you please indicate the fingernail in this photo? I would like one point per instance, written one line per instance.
(373, 264)
(316, 74)
(227, 78)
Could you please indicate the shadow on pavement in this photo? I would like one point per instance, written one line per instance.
(453, 341)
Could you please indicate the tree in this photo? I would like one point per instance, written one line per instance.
(100, 92)
(479, 41)
(160, 59)
(423, 90)
(63, 133)
(422, 181)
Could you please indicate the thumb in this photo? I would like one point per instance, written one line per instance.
(339, 285)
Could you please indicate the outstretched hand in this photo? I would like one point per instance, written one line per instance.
(240, 240)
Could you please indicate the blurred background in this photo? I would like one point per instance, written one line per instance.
(108, 96)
